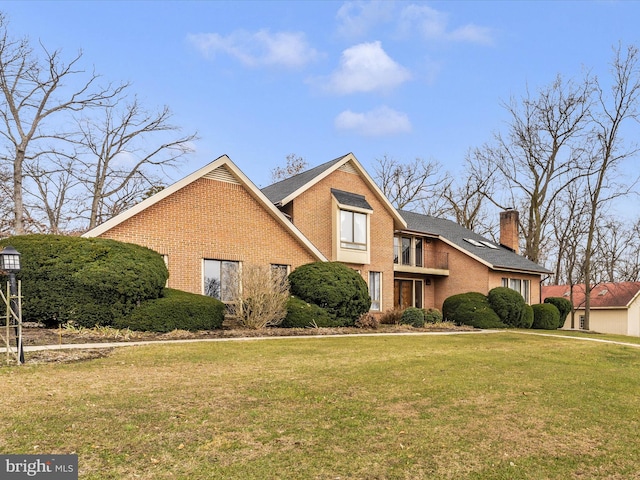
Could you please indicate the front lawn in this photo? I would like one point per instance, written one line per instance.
(475, 406)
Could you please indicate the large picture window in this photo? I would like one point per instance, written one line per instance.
(353, 230)
(375, 290)
(221, 279)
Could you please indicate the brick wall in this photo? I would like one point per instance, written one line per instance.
(214, 220)
(312, 214)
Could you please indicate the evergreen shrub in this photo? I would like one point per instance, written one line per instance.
(563, 305)
(336, 288)
(508, 305)
(413, 316)
(176, 310)
(546, 316)
(301, 314)
(85, 281)
(527, 318)
(471, 309)
(432, 315)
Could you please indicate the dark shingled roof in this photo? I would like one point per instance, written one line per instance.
(281, 190)
(500, 257)
(351, 199)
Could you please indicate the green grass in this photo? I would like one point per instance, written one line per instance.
(489, 406)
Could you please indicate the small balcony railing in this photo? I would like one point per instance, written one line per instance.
(416, 257)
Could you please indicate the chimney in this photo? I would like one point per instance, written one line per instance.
(509, 236)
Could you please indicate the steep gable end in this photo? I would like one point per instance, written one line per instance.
(222, 174)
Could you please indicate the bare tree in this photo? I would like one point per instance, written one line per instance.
(540, 155)
(607, 148)
(34, 92)
(262, 299)
(411, 186)
(295, 165)
(119, 152)
(466, 202)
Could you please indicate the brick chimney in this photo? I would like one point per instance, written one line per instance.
(509, 234)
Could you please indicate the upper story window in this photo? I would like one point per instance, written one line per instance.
(353, 230)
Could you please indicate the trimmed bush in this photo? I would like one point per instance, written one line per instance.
(563, 305)
(176, 310)
(432, 315)
(471, 309)
(301, 314)
(338, 289)
(508, 305)
(527, 318)
(86, 281)
(546, 316)
(413, 316)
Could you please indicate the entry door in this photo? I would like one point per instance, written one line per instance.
(403, 293)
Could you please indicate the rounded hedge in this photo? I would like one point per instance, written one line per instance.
(432, 315)
(546, 316)
(301, 314)
(413, 316)
(527, 318)
(471, 309)
(563, 305)
(176, 310)
(338, 289)
(87, 281)
(508, 305)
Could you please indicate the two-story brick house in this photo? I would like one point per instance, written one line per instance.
(213, 221)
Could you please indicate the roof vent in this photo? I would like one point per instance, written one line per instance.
(603, 292)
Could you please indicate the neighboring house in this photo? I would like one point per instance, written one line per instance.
(614, 307)
(213, 221)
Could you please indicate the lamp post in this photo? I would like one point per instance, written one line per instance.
(10, 263)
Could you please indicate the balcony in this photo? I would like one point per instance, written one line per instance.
(410, 257)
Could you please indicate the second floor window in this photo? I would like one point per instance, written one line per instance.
(353, 230)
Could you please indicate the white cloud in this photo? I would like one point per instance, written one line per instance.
(366, 68)
(356, 19)
(262, 48)
(378, 122)
(434, 25)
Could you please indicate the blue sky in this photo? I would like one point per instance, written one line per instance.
(261, 80)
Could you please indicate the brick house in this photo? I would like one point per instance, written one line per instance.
(214, 220)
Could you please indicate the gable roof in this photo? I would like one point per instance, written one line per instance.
(485, 251)
(603, 295)
(221, 169)
(281, 193)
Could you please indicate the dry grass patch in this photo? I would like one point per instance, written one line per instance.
(461, 407)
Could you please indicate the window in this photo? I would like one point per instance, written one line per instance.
(375, 290)
(523, 287)
(353, 230)
(418, 252)
(280, 271)
(221, 279)
(581, 322)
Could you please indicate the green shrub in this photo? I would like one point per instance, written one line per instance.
(338, 289)
(176, 310)
(413, 316)
(527, 317)
(563, 305)
(508, 305)
(301, 314)
(546, 316)
(471, 309)
(86, 281)
(432, 315)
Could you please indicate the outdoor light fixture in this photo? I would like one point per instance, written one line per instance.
(10, 263)
(10, 259)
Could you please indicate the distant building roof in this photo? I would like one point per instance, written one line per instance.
(603, 295)
(492, 254)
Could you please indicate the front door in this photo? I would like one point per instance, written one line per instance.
(403, 294)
